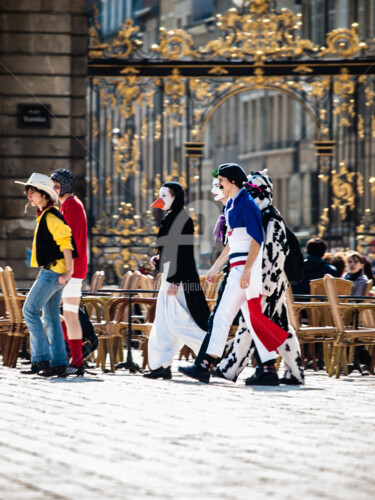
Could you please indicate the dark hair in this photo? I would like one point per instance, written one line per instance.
(316, 247)
(354, 255)
(36, 190)
(236, 182)
(234, 173)
(337, 260)
(367, 269)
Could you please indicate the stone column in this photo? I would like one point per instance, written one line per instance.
(43, 48)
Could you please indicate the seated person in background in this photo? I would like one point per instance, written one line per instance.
(336, 260)
(355, 273)
(314, 266)
(367, 269)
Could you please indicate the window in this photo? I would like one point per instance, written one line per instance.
(202, 10)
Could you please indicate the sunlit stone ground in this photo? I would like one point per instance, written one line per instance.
(120, 436)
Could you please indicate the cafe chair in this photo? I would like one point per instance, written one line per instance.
(18, 329)
(350, 331)
(140, 328)
(97, 310)
(310, 333)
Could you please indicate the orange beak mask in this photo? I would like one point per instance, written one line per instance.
(165, 199)
(159, 203)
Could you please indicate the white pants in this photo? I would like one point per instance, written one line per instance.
(73, 289)
(173, 327)
(233, 299)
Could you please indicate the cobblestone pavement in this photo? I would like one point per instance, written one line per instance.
(120, 436)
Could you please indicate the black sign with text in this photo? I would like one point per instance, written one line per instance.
(34, 116)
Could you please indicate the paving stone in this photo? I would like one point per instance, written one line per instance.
(121, 436)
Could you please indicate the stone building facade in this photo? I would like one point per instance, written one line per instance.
(43, 51)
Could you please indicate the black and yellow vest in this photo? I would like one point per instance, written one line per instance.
(47, 250)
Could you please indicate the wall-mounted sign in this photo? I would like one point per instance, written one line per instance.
(34, 116)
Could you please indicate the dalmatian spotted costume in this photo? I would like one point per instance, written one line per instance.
(239, 350)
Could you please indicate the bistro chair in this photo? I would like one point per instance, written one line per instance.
(310, 333)
(97, 309)
(7, 320)
(96, 281)
(322, 317)
(119, 310)
(18, 330)
(350, 332)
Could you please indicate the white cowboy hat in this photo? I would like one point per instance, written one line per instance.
(42, 182)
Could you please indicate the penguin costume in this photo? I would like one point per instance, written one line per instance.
(181, 311)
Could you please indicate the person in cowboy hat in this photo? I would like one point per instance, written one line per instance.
(53, 250)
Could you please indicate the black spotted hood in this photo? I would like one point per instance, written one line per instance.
(260, 187)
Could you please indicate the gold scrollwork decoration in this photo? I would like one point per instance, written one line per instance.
(144, 185)
(124, 44)
(345, 184)
(157, 128)
(303, 69)
(218, 71)
(343, 42)
(128, 91)
(361, 128)
(95, 185)
(372, 185)
(323, 223)
(260, 33)
(108, 186)
(343, 88)
(95, 129)
(175, 85)
(201, 89)
(174, 44)
(157, 184)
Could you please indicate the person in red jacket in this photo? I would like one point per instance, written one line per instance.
(75, 216)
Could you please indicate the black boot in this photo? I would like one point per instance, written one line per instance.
(164, 373)
(36, 368)
(291, 380)
(266, 376)
(196, 372)
(78, 371)
(53, 371)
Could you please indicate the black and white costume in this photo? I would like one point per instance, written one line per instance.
(274, 287)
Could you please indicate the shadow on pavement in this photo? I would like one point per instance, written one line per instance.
(74, 380)
(241, 385)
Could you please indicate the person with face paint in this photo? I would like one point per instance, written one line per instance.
(74, 213)
(181, 311)
(275, 285)
(244, 284)
(220, 229)
(220, 240)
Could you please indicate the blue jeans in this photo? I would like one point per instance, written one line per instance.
(45, 295)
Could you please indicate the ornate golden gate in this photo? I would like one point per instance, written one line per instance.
(149, 108)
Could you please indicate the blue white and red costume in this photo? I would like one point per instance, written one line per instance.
(244, 223)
